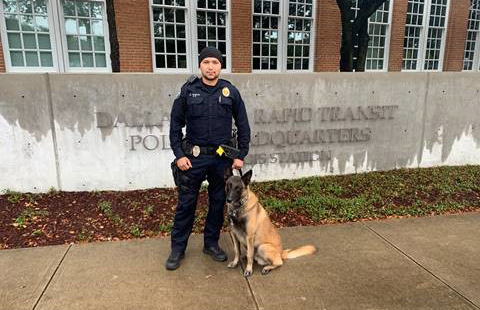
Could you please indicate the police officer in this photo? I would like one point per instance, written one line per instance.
(205, 106)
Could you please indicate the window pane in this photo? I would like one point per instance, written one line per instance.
(99, 43)
(182, 61)
(87, 59)
(68, 8)
(29, 41)
(100, 61)
(181, 46)
(169, 15)
(170, 31)
(41, 23)
(212, 34)
(289, 63)
(27, 23)
(201, 18)
(70, 26)
(83, 8)
(74, 59)
(84, 26)
(14, 40)
(222, 4)
(10, 6)
(40, 7)
(222, 47)
(160, 61)
(17, 59)
(159, 46)
(171, 61)
(97, 10)
(72, 43)
(31, 59)
(202, 33)
(170, 46)
(256, 63)
(221, 33)
(181, 32)
(44, 41)
(12, 22)
(97, 27)
(158, 30)
(46, 59)
(86, 43)
(25, 6)
(180, 16)
(273, 63)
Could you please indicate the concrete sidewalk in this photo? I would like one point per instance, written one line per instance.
(416, 263)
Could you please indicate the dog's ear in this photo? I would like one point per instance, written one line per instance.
(227, 173)
(246, 177)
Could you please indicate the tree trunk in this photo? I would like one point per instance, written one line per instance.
(112, 30)
(346, 50)
(362, 48)
(355, 32)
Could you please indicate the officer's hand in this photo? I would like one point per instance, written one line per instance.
(237, 164)
(184, 163)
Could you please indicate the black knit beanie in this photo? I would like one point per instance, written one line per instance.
(209, 51)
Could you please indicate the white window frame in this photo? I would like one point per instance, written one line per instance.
(66, 63)
(6, 47)
(280, 40)
(191, 37)
(58, 37)
(283, 41)
(476, 51)
(423, 40)
(386, 55)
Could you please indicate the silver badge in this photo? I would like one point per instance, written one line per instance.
(196, 151)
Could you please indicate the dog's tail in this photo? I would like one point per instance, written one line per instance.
(300, 251)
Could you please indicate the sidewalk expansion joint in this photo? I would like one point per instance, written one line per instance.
(421, 266)
(246, 279)
(51, 278)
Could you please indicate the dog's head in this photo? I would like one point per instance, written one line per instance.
(236, 187)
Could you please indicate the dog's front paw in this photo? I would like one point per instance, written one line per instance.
(265, 270)
(248, 272)
(233, 264)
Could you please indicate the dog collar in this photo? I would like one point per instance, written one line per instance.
(244, 200)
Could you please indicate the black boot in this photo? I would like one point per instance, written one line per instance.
(216, 253)
(173, 261)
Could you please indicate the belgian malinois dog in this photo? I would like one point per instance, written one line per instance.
(252, 229)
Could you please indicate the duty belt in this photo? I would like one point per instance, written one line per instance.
(195, 150)
(221, 150)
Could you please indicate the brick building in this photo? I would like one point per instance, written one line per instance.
(254, 35)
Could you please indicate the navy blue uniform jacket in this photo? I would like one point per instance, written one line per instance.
(207, 112)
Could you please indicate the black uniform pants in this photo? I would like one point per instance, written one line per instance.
(211, 168)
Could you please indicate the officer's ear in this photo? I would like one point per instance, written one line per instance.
(246, 177)
(228, 173)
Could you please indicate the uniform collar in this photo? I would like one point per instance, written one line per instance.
(220, 83)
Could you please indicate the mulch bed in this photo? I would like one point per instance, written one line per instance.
(73, 217)
(58, 217)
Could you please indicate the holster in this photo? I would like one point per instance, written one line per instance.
(230, 152)
(176, 172)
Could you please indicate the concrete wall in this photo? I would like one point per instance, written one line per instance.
(103, 131)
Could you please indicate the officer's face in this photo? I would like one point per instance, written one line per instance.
(210, 68)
